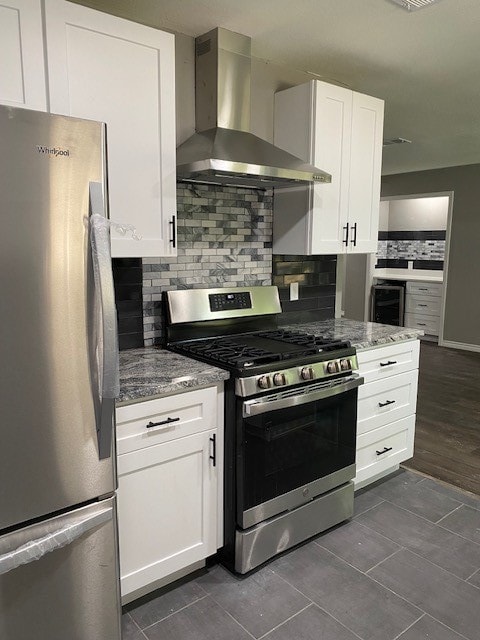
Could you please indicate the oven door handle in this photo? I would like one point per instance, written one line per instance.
(263, 405)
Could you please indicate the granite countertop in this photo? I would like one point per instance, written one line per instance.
(419, 275)
(151, 371)
(362, 335)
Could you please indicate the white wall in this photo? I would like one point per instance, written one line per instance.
(383, 219)
(417, 214)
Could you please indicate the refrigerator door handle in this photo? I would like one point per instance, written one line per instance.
(102, 268)
(36, 549)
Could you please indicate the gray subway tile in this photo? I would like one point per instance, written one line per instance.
(428, 628)
(406, 490)
(351, 597)
(464, 521)
(448, 550)
(469, 499)
(167, 603)
(311, 624)
(258, 602)
(357, 545)
(202, 620)
(439, 593)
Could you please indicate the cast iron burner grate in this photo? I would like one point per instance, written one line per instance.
(260, 347)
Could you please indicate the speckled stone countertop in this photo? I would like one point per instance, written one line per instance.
(362, 335)
(151, 371)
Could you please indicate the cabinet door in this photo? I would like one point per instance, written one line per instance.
(22, 76)
(167, 509)
(313, 122)
(122, 73)
(331, 152)
(365, 175)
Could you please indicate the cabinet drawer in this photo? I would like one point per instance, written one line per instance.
(381, 362)
(383, 448)
(179, 415)
(429, 324)
(385, 401)
(425, 305)
(425, 288)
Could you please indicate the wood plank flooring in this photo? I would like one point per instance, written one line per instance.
(447, 439)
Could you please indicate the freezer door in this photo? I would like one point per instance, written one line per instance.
(51, 325)
(59, 579)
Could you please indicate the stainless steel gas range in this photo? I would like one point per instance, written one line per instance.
(290, 418)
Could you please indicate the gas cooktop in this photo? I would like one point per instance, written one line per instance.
(248, 350)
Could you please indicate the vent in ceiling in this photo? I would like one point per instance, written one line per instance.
(413, 5)
(390, 141)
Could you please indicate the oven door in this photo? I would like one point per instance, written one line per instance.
(294, 445)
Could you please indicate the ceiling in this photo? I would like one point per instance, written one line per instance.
(425, 64)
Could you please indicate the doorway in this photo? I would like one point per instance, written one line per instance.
(414, 238)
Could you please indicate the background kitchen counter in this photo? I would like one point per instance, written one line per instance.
(421, 275)
(151, 371)
(362, 335)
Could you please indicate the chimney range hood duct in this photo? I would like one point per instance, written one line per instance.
(223, 151)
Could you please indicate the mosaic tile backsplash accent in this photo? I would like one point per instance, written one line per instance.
(224, 239)
(411, 245)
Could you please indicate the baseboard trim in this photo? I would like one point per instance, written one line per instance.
(460, 345)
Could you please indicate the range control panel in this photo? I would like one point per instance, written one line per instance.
(230, 301)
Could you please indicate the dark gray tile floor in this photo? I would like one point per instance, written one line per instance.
(406, 567)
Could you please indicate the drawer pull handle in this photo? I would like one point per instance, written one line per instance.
(213, 440)
(424, 289)
(157, 424)
(421, 324)
(379, 453)
(423, 305)
(386, 403)
(386, 364)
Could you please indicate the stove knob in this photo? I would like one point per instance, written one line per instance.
(307, 373)
(332, 367)
(345, 365)
(279, 379)
(264, 382)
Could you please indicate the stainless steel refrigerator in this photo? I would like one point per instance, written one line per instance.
(59, 576)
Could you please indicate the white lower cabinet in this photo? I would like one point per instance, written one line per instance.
(386, 409)
(423, 303)
(170, 465)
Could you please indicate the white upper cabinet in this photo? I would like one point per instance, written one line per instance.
(339, 131)
(22, 63)
(104, 68)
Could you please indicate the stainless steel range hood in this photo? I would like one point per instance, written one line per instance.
(223, 151)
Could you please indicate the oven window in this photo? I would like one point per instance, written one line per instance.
(285, 449)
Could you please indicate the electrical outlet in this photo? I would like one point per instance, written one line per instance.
(294, 291)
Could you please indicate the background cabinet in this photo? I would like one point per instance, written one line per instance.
(387, 404)
(170, 498)
(423, 303)
(22, 78)
(339, 131)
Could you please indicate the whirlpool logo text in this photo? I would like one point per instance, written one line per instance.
(53, 151)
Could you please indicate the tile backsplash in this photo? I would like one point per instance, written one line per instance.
(401, 246)
(224, 239)
(127, 276)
